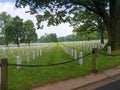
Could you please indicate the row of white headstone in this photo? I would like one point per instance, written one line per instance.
(74, 54)
(34, 55)
(23, 50)
(47, 49)
(87, 45)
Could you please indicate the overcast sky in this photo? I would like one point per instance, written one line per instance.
(9, 7)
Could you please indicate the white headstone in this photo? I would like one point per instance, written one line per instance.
(109, 50)
(12, 53)
(18, 62)
(40, 52)
(81, 59)
(28, 58)
(72, 52)
(6, 54)
(75, 54)
(23, 51)
(33, 55)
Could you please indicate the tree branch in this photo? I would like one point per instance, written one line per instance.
(89, 8)
(103, 13)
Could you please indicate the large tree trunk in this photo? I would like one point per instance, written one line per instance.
(29, 43)
(102, 36)
(112, 22)
(17, 41)
(101, 29)
(114, 26)
(114, 35)
(6, 41)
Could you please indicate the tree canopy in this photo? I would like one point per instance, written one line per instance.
(29, 32)
(14, 30)
(57, 11)
(87, 23)
(4, 26)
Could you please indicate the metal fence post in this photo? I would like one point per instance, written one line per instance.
(94, 60)
(4, 74)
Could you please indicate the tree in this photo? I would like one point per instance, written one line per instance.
(88, 22)
(61, 39)
(34, 37)
(71, 38)
(17, 30)
(29, 32)
(57, 11)
(8, 30)
(5, 33)
(4, 18)
(48, 38)
(52, 37)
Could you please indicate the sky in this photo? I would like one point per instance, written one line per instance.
(9, 7)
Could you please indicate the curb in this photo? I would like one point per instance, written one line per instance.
(107, 73)
(73, 84)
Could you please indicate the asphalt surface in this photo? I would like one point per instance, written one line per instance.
(110, 83)
(112, 86)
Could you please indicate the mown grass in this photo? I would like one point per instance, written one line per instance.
(30, 77)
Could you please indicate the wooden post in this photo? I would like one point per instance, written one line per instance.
(94, 60)
(4, 74)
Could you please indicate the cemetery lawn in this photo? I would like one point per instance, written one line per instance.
(30, 77)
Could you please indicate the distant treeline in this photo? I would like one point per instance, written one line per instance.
(53, 37)
(48, 38)
(73, 37)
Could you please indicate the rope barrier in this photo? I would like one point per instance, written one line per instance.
(46, 65)
(108, 54)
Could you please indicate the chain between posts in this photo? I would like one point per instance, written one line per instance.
(4, 69)
(4, 66)
(108, 54)
(46, 65)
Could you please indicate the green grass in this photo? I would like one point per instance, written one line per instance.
(29, 77)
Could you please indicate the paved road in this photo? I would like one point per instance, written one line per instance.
(112, 86)
(112, 83)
